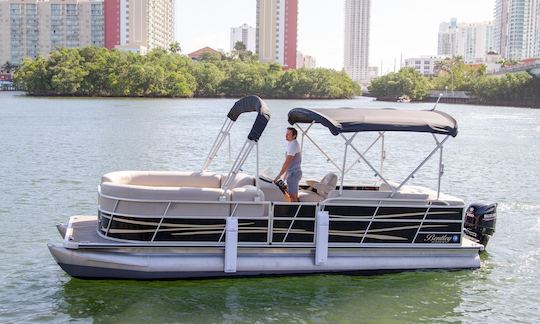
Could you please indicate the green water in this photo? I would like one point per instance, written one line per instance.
(53, 151)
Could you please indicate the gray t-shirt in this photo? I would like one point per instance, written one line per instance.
(293, 149)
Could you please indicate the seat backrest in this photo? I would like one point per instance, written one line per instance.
(248, 193)
(241, 180)
(164, 179)
(327, 184)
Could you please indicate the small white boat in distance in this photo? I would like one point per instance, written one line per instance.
(163, 225)
(404, 99)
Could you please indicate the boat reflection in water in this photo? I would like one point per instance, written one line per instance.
(412, 296)
(159, 225)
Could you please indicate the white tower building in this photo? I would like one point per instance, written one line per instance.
(356, 54)
(471, 41)
(245, 34)
(516, 31)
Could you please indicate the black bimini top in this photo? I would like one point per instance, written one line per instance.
(252, 104)
(353, 120)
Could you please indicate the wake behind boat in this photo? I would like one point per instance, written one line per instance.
(158, 225)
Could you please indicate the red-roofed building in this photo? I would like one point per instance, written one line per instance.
(197, 55)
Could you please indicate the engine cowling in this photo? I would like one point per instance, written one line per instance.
(480, 220)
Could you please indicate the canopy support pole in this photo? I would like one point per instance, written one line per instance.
(303, 135)
(347, 144)
(437, 147)
(441, 166)
(242, 156)
(369, 165)
(257, 171)
(329, 159)
(383, 152)
(365, 151)
(223, 133)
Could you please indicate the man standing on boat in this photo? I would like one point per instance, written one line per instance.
(291, 167)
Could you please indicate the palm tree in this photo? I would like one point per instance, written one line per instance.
(175, 48)
(8, 67)
(239, 50)
(507, 62)
(239, 46)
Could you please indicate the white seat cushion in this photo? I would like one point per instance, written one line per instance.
(309, 196)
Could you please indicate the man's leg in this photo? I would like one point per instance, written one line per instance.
(293, 180)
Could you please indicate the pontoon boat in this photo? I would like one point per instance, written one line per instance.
(157, 225)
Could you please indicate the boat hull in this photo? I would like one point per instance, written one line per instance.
(177, 263)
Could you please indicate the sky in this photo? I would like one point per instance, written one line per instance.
(398, 28)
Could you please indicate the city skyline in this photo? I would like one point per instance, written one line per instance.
(395, 29)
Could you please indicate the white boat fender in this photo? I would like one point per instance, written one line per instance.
(231, 244)
(321, 244)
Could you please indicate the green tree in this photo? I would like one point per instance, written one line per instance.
(407, 81)
(209, 78)
(33, 76)
(454, 74)
(67, 73)
(510, 87)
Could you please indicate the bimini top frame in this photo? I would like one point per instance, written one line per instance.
(244, 105)
(350, 120)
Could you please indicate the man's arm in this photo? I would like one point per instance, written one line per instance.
(288, 161)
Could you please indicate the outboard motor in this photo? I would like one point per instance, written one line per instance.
(480, 220)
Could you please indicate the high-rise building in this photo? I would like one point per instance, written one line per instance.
(471, 41)
(33, 27)
(516, 32)
(356, 59)
(277, 31)
(246, 35)
(112, 22)
(139, 25)
(474, 41)
(534, 30)
(447, 45)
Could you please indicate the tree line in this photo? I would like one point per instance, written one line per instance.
(93, 71)
(454, 74)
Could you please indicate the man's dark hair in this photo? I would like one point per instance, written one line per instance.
(293, 131)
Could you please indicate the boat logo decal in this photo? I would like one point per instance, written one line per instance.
(434, 238)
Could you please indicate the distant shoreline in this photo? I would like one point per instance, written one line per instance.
(451, 101)
(171, 97)
(473, 102)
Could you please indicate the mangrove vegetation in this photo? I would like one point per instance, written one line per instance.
(520, 88)
(93, 71)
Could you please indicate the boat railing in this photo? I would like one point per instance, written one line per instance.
(282, 223)
(376, 216)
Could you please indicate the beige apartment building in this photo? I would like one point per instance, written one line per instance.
(139, 25)
(32, 27)
(276, 34)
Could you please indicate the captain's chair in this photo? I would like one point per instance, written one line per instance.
(318, 190)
